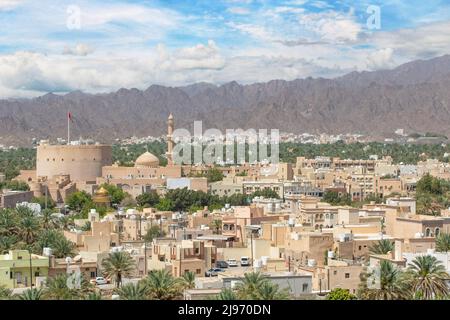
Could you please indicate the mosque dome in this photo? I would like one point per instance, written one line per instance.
(147, 160)
(102, 192)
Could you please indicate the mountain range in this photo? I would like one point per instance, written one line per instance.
(414, 96)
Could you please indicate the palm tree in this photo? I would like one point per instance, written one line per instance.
(57, 288)
(63, 287)
(7, 243)
(391, 286)
(47, 219)
(382, 247)
(118, 265)
(270, 291)
(94, 296)
(29, 228)
(8, 222)
(163, 286)
(132, 291)
(188, 280)
(443, 242)
(63, 248)
(217, 225)
(65, 222)
(5, 293)
(32, 294)
(427, 277)
(227, 294)
(249, 286)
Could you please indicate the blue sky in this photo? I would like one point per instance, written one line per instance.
(100, 46)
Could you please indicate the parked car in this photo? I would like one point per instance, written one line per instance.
(222, 264)
(232, 263)
(214, 272)
(99, 280)
(245, 261)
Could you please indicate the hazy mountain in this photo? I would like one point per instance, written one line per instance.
(414, 96)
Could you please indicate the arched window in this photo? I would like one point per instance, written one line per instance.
(316, 227)
(327, 216)
(427, 232)
(437, 231)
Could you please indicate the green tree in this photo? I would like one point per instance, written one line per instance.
(227, 294)
(271, 291)
(149, 199)
(60, 288)
(29, 228)
(391, 285)
(79, 200)
(15, 185)
(116, 193)
(32, 294)
(340, 294)
(42, 202)
(133, 291)
(249, 285)
(118, 265)
(266, 193)
(94, 296)
(63, 247)
(163, 286)
(217, 225)
(382, 247)
(214, 175)
(165, 205)
(426, 277)
(47, 219)
(443, 242)
(188, 280)
(5, 293)
(153, 232)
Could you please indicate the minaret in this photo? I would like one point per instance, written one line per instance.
(170, 126)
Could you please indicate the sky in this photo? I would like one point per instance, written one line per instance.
(104, 45)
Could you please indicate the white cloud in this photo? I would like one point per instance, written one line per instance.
(380, 59)
(80, 49)
(332, 26)
(239, 10)
(198, 57)
(9, 4)
(254, 30)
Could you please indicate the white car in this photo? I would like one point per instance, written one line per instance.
(245, 261)
(232, 263)
(99, 281)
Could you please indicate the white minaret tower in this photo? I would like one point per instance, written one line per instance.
(170, 126)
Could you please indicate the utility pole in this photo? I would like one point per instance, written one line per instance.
(31, 271)
(251, 237)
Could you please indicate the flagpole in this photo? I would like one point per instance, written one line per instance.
(68, 128)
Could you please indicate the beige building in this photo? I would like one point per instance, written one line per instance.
(9, 199)
(80, 162)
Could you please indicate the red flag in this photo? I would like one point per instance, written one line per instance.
(69, 115)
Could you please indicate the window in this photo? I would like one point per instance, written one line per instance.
(305, 287)
(427, 232)
(335, 272)
(359, 248)
(347, 275)
(92, 274)
(198, 271)
(437, 231)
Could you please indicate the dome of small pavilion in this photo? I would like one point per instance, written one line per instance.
(147, 160)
